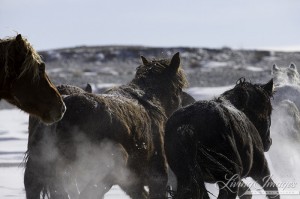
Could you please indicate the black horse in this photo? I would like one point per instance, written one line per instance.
(107, 139)
(222, 141)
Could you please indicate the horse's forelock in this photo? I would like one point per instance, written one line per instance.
(242, 82)
(32, 58)
(32, 62)
(154, 66)
(158, 67)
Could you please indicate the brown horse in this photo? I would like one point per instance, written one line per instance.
(24, 83)
(108, 139)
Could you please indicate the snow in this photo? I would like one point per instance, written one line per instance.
(254, 69)
(205, 93)
(214, 64)
(13, 144)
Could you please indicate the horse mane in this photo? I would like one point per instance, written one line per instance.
(153, 106)
(158, 66)
(32, 59)
(242, 82)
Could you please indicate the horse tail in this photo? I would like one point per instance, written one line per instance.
(213, 159)
(196, 170)
(181, 152)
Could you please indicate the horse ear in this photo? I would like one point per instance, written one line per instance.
(275, 67)
(269, 87)
(88, 88)
(19, 37)
(293, 66)
(144, 60)
(21, 45)
(175, 62)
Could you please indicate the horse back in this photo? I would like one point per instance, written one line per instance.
(218, 127)
(106, 117)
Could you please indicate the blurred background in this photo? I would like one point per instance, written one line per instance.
(238, 24)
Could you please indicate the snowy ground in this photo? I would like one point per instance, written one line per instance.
(13, 143)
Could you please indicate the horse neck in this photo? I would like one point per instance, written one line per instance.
(144, 97)
(4, 81)
(2, 75)
(146, 92)
(229, 98)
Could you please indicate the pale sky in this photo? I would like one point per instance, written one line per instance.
(242, 24)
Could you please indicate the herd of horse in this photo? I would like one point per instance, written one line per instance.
(81, 143)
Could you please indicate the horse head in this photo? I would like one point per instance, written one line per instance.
(26, 83)
(164, 79)
(254, 101)
(288, 75)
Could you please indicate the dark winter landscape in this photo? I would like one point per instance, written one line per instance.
(204, 67)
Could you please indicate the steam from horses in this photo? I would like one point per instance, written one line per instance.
(285, 151)
(285, 129)
(131, 116)
(92, 163)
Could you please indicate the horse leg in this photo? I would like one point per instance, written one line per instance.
(230, 181)
(228, 189)
(269, 186)
(183, 162)
(190, 183)
(117, 171)
(32, 180)
(189, 187)
(158, 175)
(57, 190)
(128, 177)
(244, 191)
(266, 182)
(95, 191)
(261, 174)
(135, 190)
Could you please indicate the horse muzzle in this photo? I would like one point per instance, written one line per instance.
(267, 144)
(54, 115)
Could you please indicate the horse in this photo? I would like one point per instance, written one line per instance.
(121, 130)
(222, 141)
(286, 120)
(287, 75)
(186, 98)
(287, 84)
(35, 122)
(286, 104)
(24, 82)
(285, 126)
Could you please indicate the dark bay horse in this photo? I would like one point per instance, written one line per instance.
(24, 83)
(122, 132)
(222, 141)
(39, 164)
